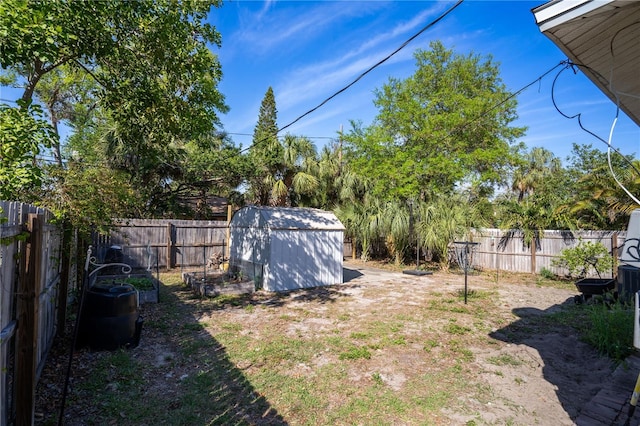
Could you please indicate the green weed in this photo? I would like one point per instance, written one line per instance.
(610, 330)
(355, 352)
(504, 359)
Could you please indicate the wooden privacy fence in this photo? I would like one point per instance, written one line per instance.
(495, 252)
(190, 243)
(30, 277)
(167, 243)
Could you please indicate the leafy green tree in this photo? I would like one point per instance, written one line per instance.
(212, 166)
(23, 134)
(438, 129)
(89, 197)
(157, 76)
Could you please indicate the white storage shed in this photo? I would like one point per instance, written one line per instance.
(287, 248)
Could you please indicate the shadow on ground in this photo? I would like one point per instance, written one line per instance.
(221, 392)
(178, 375)
(349, 274)
(574, 368)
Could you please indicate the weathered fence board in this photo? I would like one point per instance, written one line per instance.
(35, 302)
(496, 252)
(167, 243)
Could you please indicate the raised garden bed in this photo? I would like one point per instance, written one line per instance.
(215, 284)
(147, 286)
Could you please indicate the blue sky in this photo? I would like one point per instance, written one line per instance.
(308, 50)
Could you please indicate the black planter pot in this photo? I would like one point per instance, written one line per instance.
(595, 286)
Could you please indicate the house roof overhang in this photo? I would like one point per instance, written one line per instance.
(603, 38)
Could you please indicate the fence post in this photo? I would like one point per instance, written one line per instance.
(533, 257)
(614, 252)
(228, 232)
(64, 277)
(170, 245)
(27, 333)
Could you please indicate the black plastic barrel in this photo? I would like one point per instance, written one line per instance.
(628, 281)
(110, 318)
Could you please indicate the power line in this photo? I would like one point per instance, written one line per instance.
(512, 95)
(306, 136)
(402, 46)
(573, 66)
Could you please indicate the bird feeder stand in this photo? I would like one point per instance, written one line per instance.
(464, 255)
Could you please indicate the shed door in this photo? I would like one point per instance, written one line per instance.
(301, 259)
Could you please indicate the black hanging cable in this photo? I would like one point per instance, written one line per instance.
(380, 62)
(371, 68)
(574, 67)
(511, 96)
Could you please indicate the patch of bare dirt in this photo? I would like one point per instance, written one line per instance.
(532, 374)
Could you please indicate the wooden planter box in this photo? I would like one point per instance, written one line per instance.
(144, 296)
(216, 284)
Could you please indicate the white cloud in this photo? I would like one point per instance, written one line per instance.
(323, 78)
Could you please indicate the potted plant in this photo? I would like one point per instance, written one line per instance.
(584, 261)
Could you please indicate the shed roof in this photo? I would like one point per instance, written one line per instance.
(602, 36)
(291, 218)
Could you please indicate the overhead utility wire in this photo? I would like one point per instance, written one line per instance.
(306, 136)
(402, 46)
(615, 120)
(574, 66)
(511, 96)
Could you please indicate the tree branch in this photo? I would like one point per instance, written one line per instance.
(88, 71)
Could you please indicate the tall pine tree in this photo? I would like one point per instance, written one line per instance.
(266, 152)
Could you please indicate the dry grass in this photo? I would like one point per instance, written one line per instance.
(392, 352)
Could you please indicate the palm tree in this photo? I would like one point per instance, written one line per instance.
(443, 221)
(364, 222)
(295, 176)
(600, 202)
(540, 164)
(397, 229)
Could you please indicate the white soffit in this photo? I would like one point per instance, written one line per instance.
(557, 12)
(603, 37)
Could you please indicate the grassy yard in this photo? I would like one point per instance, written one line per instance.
(385, 353)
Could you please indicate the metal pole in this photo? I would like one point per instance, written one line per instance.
(465, 274)
(157, 276)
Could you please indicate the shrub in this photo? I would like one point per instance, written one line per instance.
(547, 274)
(584, 259)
